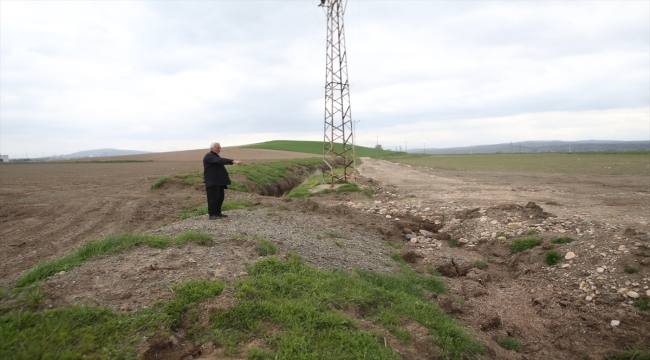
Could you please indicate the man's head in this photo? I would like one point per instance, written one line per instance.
(216, 147)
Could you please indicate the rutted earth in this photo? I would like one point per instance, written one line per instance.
(582, 306)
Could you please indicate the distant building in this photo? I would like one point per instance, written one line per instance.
(4, 158)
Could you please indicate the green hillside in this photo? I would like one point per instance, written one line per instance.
(314, 147)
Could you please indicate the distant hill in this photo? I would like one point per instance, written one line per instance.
(101, 153)
(543, 146)
(312, 147)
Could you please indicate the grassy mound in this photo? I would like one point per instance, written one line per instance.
(106, 246)
(286, 308)
(316, 147)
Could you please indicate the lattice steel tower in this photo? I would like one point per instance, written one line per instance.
(338, 142)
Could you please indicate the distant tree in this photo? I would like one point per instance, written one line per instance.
(378, 147)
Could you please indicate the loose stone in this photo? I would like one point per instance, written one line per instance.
(570, 255)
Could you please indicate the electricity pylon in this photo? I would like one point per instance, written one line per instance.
(338, 141)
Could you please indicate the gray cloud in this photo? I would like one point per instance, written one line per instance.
(161, 75)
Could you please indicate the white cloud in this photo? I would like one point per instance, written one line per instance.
(166, 75)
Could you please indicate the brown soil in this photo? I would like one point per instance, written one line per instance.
(47, 210)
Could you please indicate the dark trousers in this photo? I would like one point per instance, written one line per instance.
(215, 199)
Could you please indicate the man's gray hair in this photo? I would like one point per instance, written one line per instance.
(213, 144)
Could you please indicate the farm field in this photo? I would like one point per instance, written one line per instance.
(623, 163)
(314, 147)
(48, 210)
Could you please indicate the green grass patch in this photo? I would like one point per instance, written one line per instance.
(298, 312)
(234, 205)
(630, 270)
(503, 235)
(355, 188)
(297, 309)
(398, 259)
(562, 240)
(552, 257)
(189, 294)
(75, 333)
(189, 212)
(316, 147)
(509, 343)
(631, 354)
(266, 247)
(481, 264)
(452, 243)
(532, 232)
(519, 245)
(237, 186)
(642, 303)
(395, 246)
(272, 213)
(283, 207)
(158, 183)
(106, 246)
(268, 172)
(81, 331)
(302, 190)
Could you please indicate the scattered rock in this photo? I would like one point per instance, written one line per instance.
(570, 255)
(173, 340)
(615, 323)
(426, 233)
(632, 294)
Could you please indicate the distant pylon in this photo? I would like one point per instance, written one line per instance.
(338, 141)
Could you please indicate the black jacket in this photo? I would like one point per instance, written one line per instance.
(214, 171)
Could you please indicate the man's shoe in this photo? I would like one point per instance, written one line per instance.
(214, 217)
(222, 215)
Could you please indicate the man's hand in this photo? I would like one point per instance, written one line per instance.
(237, 162)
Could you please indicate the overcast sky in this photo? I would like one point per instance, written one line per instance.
(176, 75)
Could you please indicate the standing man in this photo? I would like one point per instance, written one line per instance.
(216, 179)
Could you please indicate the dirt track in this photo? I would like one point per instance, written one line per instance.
(49, 209)
(617, 199)
(557, 312)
